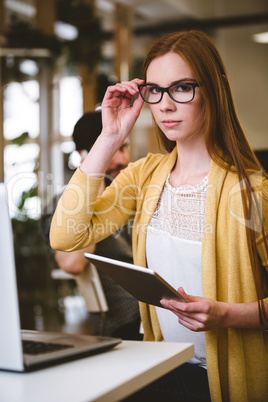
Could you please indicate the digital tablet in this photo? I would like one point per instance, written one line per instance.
(142, 283)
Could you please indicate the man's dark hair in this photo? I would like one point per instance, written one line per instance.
(86, 130)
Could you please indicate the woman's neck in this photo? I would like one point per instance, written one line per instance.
(192, 164)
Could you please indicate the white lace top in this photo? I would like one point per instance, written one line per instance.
(173, 249)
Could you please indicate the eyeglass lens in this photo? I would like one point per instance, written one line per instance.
(182, 92)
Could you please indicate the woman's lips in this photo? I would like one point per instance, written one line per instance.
(170, 123)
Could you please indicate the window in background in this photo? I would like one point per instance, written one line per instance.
(21, 109)
(71, 104)
(21, 176)
(21, 154)
(22, 150)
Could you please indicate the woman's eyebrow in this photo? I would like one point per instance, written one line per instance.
(173, 82)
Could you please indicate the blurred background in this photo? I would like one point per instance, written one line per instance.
(57, 58)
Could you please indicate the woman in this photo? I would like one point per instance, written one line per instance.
(200, 213)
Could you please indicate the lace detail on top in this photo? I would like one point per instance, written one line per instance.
(180, 211)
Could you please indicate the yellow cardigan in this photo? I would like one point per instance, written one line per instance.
(237, 359)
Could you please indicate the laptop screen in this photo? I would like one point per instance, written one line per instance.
(10, 340)
(59, 347)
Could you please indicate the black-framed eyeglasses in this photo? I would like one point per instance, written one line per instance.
(181, 92)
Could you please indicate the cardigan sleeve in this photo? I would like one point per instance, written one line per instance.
(262, 235)
(83, 218)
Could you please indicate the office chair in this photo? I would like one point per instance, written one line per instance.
(89, 286)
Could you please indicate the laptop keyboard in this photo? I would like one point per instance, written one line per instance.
(36, 348)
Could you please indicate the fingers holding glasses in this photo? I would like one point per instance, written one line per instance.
(119, 112)
(133, 85)
(125, 88)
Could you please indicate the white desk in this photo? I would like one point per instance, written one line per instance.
(106, 377)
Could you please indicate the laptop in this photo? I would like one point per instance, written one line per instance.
(25, 350)
(143, 283)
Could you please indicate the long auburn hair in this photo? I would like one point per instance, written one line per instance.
(226, 142)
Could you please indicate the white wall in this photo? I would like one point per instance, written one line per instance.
(247, 66)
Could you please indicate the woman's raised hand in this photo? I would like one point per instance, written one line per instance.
(119, 112)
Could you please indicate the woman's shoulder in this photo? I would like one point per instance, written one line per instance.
(230, 185)
(151, 167)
